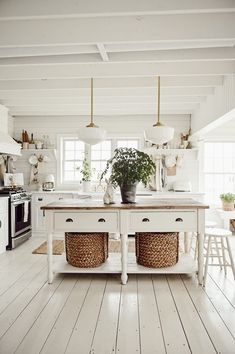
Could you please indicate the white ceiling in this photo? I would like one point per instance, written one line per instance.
(49, 49)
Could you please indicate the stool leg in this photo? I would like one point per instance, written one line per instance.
(230, 256)
(224, 258)
(217, 252)
(207, 259)
(196, 247)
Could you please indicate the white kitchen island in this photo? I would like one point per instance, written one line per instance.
(147, 215)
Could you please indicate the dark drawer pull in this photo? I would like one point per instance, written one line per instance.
(145, 220)
(101, 220)
(61, 198)
(0, 224)
(40, 199)
(69, 220)
(179, 220)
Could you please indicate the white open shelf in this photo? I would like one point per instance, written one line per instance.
(26, 153)
(185, 265)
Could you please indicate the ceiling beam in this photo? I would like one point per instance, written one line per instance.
(15, 9)
(113, 29)
(107, 92)
(14, 52)
(115, 70)
(182, 55)
(44, 111)
(69, 49)
(81, 100)
(166, 81)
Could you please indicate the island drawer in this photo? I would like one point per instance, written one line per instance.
(163, 221)
(86, 221)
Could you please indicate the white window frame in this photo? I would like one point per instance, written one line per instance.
(212, 140)
(112, 137)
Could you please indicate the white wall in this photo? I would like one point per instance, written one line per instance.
(51, 125)
(116, 126)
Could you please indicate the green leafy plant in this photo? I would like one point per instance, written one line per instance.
(227, 197)
(86, 171)
(129, 166)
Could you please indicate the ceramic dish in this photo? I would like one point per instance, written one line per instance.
(33, 160)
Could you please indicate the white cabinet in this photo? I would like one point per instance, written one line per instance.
(38, 200)
(3, 224)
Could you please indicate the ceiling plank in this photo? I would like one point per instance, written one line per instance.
(113, 29)
(12, 9)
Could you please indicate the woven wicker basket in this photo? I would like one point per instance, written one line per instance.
(86, 250)
(157, 250)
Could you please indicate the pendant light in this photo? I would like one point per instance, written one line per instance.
(159, 134)
(92, 134)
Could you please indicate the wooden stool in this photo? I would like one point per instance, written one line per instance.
(216, 237)
(208, 224)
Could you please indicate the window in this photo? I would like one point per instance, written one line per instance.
(219, 169)
(74, 151)
(100, 153)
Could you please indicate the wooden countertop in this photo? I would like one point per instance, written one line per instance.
(141, 203)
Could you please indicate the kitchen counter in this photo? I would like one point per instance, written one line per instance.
(147, 215)
(141, 203)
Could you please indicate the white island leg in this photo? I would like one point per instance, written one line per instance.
(200, 243)
(200, 257)
(124, 244)
(49, 228)
(49, 258)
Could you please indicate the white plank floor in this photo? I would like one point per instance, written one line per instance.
(95, 314)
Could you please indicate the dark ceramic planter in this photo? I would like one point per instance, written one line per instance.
(128, 193)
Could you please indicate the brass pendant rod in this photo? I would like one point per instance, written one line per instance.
(92, 124)
(158, 99)
(92, 101)
(158, 103)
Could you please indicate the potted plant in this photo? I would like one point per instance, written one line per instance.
(228, 200)
(86, 176)
(129, 167)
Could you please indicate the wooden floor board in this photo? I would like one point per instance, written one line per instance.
(83, 332)
(173, 332)
(128, 336)
(196, 334)
(95, 314)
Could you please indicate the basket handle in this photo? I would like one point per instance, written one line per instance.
(179, 220)
(145, 220)
(101, 220)
(69, 220)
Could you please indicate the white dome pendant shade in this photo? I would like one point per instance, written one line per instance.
(159, 134)
(92, 134)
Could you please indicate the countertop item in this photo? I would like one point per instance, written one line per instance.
(141, 203)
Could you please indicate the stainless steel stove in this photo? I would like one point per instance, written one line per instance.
(19, 226)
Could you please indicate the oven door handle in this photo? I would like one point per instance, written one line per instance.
(20, 202)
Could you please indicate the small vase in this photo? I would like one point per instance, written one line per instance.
(128, 193)
(228, 206)
(86, 186)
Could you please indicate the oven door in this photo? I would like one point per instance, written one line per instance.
(20, 217)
